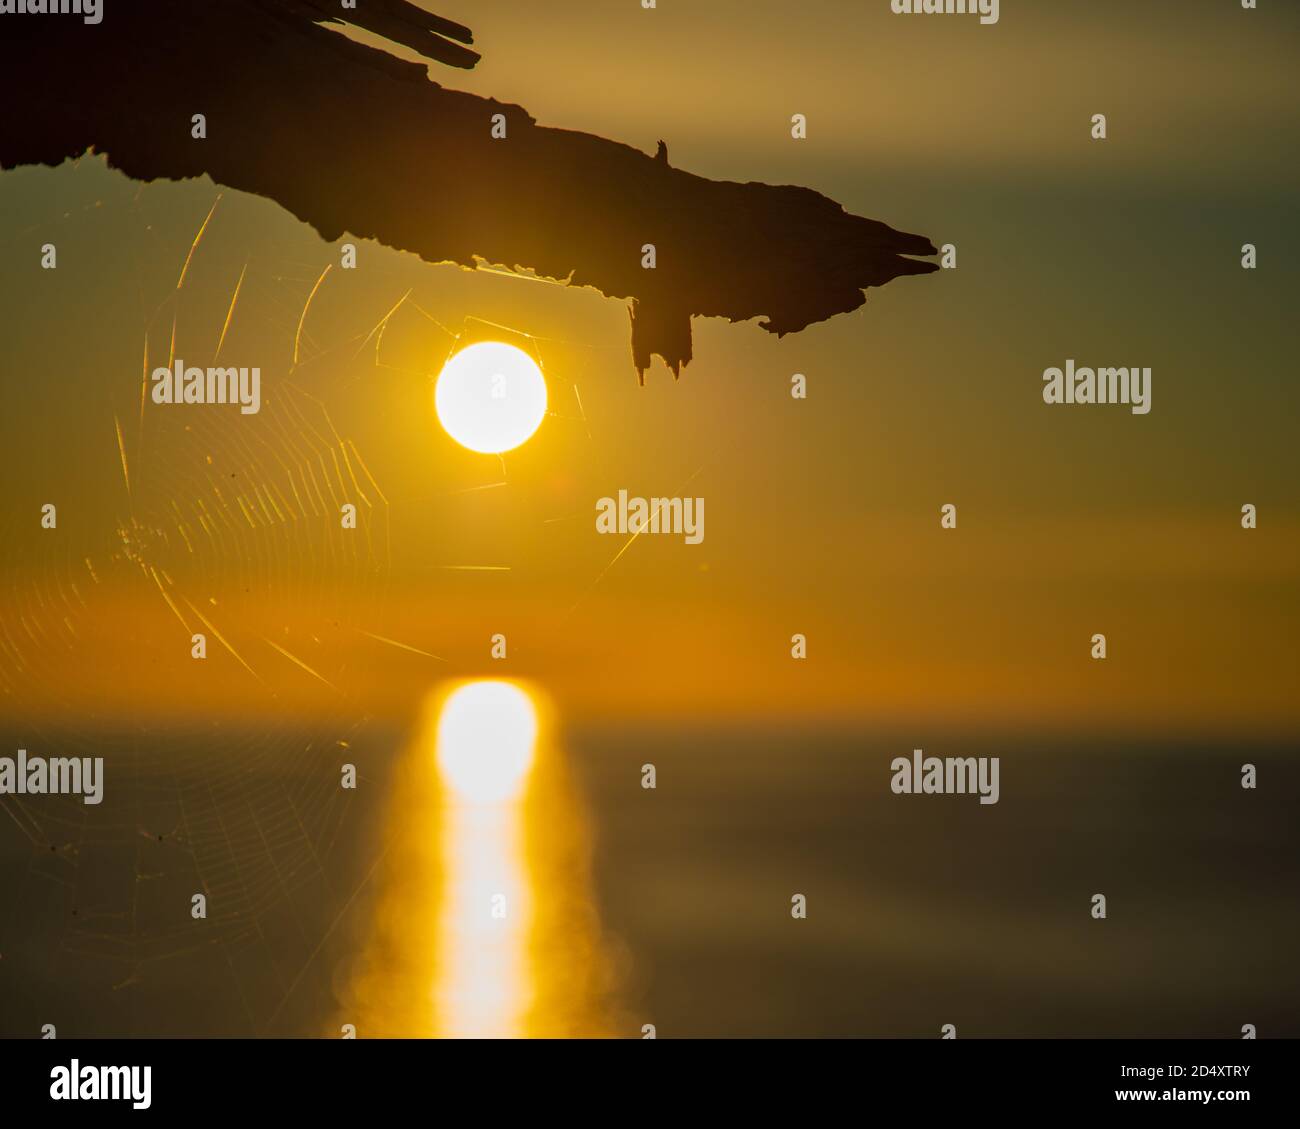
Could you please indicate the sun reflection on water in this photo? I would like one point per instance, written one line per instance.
(485, 923)
(486, 736)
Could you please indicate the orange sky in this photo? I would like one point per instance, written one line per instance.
(822, 515)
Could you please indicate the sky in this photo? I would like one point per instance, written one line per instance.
(822, 515)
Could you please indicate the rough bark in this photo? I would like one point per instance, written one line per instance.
(349, 138)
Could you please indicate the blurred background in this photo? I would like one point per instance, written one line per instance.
(672, 907)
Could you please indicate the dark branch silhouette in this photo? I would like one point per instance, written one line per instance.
(350, 138)
(395, 20)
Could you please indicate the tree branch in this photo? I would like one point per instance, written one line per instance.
(352, 139)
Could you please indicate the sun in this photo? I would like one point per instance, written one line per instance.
(490, 397)
(486, 736)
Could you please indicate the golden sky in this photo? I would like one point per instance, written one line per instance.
(822, 515)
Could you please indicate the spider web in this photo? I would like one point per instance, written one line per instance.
(222, 518)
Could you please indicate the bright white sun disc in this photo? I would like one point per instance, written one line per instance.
(490, 397)
(486, 736)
